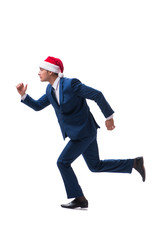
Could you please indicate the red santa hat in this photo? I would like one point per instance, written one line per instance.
(53, 64)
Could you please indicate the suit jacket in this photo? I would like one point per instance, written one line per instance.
(74, 116)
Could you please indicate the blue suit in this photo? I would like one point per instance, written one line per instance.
(77, 122)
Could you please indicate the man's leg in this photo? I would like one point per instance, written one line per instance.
(91, 156)
(73, 149)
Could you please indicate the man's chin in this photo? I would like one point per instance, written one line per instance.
(42, 80)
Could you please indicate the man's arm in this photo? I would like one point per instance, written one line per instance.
(93, 94)
(37, 105)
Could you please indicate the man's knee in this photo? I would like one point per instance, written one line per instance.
(59, 163)
(62, 164)
(94, 168)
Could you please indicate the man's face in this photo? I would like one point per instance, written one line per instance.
(44, 75)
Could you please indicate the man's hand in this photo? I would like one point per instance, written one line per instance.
(110, 124)
(21, 88)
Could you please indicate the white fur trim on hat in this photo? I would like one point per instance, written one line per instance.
(50, 67)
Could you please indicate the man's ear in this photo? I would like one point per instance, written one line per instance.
(50, 73)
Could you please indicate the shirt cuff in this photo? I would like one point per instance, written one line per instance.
(110, 117)
(23, 97)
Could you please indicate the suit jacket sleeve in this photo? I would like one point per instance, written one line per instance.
(90, 93)
(37, 105)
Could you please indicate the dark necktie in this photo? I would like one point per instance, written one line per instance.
(54, 95)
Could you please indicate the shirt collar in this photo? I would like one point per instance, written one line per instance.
(56, 83)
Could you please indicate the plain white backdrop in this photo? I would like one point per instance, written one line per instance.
(112, 46)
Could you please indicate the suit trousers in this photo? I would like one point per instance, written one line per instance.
(89, 149)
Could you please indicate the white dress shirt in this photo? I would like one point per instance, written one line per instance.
(56, 90)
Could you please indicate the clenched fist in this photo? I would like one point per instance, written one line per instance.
(110, 124)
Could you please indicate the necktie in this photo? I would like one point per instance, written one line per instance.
(53, 94)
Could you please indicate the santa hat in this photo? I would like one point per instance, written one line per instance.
(53, 64)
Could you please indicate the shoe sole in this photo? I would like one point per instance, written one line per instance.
(75, 207)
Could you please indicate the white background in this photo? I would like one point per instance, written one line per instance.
(112, 46)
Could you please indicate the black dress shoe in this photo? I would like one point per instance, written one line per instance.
(76, 203)
(139, 166)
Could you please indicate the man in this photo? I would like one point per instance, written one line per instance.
(68, 98)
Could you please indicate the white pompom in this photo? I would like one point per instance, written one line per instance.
(60, 75)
